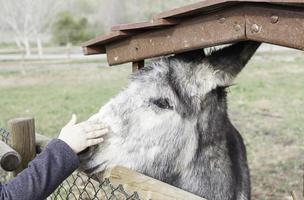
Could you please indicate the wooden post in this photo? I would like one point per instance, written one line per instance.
(138, 65)
(9, 158)
(23, 140)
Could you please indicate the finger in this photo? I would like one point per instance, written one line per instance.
(93, 142)
(72, 121)
(97, 134)
(95, 127)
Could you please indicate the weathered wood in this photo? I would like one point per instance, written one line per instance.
(259, 22)
(138, 65)
(204, 24)
(92, 50)
(276, 26)
(9, 158)
(95, 46)
(210, 5)
(153, 24)
(193, 9)
(23, 140)
(204, 31)
(146, 187)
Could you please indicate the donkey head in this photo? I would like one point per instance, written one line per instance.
(164, 103)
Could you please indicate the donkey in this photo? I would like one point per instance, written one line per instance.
(171, 123)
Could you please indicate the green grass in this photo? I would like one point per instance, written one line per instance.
(51, 96)
(266, 105)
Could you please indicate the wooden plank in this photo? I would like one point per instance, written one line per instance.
(204, 31)
(193, 9)
(146, 43)
(209, 5)
(138, 65)
(95, 46)
(9, 158)
(146, 187)
(106, 38)
(164, 20)
(23, 140)
(276, 26)
(142, 26)
(92, 50)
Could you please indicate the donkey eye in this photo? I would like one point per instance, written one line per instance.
(162, 103)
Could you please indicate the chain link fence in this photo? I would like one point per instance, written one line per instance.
(79, 185)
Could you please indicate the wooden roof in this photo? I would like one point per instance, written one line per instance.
(204, 24)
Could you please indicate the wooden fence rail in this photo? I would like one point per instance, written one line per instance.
(146, 187)
(9, 158)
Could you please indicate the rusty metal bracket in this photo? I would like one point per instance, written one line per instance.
(283, 27)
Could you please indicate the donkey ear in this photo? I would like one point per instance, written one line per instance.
(231, 60)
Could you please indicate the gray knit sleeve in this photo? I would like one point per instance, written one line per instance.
(43, 175)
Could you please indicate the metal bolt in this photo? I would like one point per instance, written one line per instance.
(274, 19)
(222, 20)
(255, 28)
(237, 27)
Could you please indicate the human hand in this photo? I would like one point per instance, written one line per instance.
(83, 135)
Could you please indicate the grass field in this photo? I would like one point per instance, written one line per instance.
(266, 105)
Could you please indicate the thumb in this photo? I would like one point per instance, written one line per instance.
(72, 121)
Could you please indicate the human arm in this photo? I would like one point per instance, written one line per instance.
(56, 162)
(43, 175)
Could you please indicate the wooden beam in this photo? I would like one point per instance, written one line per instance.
(196, 26)
(146, 187)
(153, 24)
(138, 65)
(23, 140)
(92, 50)
(9, 158)
(209, 5)
(280, 26)
(226, 26)
(194, 8)
(95, 46)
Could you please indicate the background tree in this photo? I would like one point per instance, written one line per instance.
(32, 21)
(42, 19)
(115, 12)
(28, 20)
(112, 12)
(67, 29)
(15, 16)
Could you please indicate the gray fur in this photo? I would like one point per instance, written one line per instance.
(171, 123)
